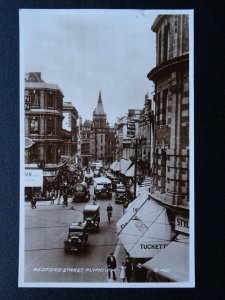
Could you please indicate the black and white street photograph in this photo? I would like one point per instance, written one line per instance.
(106, 148)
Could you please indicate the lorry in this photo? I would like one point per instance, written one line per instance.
(103, 187)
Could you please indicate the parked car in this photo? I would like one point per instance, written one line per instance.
(91, 215)
(77, 237)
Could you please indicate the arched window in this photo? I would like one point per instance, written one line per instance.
(165, 43)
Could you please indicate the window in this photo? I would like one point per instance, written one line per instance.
(49, 126)
(49, 154)
(159, 47)
(34, 125)
(101, 138)
(33, 153)
(165, 43)
(35, 98)
(164, 106)
(50, 100)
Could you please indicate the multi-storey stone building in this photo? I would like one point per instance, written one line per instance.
(70, 126)
(99, 128)
(97, 138)
(43, 125)
(87, 142)
(146, 135)
(171, 75)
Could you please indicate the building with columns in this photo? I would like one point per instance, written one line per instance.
(171, 78)
(43, 125)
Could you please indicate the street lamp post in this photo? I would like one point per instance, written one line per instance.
(135, 168)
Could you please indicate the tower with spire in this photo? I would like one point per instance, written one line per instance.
(100, 127)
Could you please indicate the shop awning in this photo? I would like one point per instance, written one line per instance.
(116, 166)
(130, 172)
(148, 232)
(173, 262)
(112, 165)
(132, 209)
(124, 165)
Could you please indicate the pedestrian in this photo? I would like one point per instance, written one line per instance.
(111, 264)
(52, 197)
(33, 202)
(94, 200)
(109, 210)
(129, 269)
(65, 198)
(123, 271)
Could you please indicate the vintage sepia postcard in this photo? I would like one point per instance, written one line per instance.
(106, 148)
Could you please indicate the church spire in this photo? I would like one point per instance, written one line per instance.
(99, 109)
(100, 97)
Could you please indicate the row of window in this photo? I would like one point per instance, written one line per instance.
(35, 126)
(163, 108)
(51, 99)
(33, 154)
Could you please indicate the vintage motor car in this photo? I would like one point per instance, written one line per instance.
(103, 187)
(91, 215)
(120, 194)
(77, 237)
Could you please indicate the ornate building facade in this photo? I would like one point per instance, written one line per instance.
(99, 128)
(43, 125)
(97, 138)
(171, 78)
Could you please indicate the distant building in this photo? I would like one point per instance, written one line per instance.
(87, 142)
(99, 127)
(70, 126)
(146, 136)
(97, 139)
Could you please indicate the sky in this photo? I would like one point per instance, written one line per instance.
(85, 51)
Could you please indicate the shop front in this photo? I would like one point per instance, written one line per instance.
(33, 183)
(50, 181)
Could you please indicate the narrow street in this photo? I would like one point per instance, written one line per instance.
(45, 230)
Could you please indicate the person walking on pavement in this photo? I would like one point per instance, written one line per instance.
(111, 264)
(65, 198)
(128, 270)
(123, 271)
(94, 200)
(33, 202)
(52, 198)
(109, 210)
